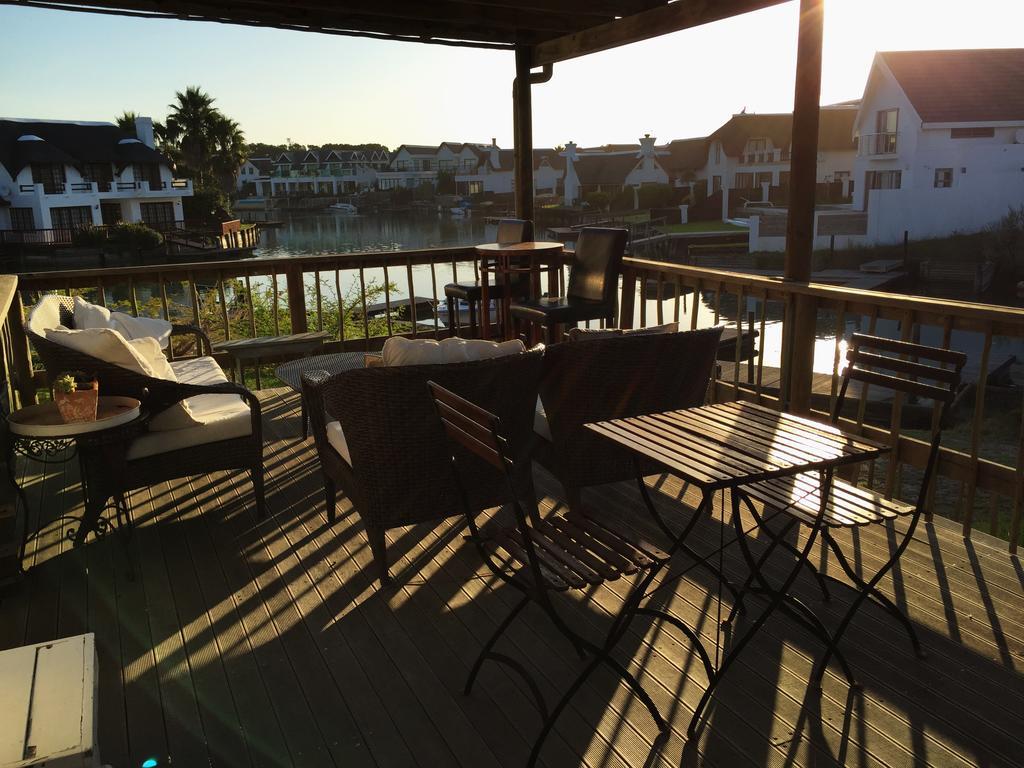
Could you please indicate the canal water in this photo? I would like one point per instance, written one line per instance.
(326, 233)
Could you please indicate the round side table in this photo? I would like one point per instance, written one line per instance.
(38, 432)
(496, 259)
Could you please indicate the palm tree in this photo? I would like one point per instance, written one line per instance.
(188, 132)
(126, 121)
(228, 149)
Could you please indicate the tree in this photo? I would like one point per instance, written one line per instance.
(205, 144)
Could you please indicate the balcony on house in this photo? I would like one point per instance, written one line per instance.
(878, 144)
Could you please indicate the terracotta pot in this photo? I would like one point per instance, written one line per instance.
(78, 406)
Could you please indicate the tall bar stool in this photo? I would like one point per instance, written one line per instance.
(509, 231)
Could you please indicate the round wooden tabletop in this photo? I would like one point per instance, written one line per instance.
(513, 249)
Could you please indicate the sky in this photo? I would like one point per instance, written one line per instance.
(314, 89)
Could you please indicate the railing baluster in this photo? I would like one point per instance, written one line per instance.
(412, 298)
(387, 302)
(760, 351)
(862, 405)
(661, 298)
(695, 309)
(679, 299)
(250, 306)
(194, 298)
(718, 301)
(362, 298)
(341, 307)
(739, 343)
(643, 298)
(277, 304)
(433, 288)
(319, 302)
(221, 295)
(979, 415)
(132, 297)
(840, 332)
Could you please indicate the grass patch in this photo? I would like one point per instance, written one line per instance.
(695, 227)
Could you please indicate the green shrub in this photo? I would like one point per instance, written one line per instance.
(132, 237)
(89, 237)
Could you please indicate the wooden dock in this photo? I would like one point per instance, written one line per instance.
(244, 644)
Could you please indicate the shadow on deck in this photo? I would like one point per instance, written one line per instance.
(239, 644)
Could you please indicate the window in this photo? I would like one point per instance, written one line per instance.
(73, 217)
(158, 215)
(972, 133)
(148, 172)
(744, 181)
(757, 145)
(718, 152)
(716, 184)
(943, 178)
(22, 218)
(50, 175)
(110, 213)
(101, 173)
(884, 179)
(783, 178)
(887, 120)
(763, 177)
(476, 187)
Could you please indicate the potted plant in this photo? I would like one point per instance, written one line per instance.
(77, 396)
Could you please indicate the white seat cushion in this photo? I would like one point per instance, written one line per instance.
(399, 350)
(104, 344)
(540, 422)
(337, 441)
(218, 417)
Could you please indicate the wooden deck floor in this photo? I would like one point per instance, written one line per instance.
(239, 644)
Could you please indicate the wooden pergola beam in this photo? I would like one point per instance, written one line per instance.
(644, 25)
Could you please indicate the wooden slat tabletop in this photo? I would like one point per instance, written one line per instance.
(730, 444)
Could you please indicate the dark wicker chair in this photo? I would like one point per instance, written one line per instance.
(593, 287)
(609, 378)
(509, 231)
(157, 395)
(399, 472)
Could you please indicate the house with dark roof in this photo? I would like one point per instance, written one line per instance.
(941, 141)
(254, 176)
(613, 170)
(495, 172)
(325, 171)
(65, 175)
(752, 151)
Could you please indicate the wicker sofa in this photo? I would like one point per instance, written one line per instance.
(229, 436)
(599, 378)
(380, 440)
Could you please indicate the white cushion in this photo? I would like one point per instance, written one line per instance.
(140, 327)
(104, 344)
(399, 350)
(45, 315)
(217, 417)
(179, 415)
(90, 315)
(230, 421)
(205, 370)
(337, 441)
(540, 422)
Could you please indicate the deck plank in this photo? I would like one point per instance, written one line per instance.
(271, 644)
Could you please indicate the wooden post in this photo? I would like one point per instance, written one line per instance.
(21, 356)
(522, 127)
(798, 340)
(296, 299)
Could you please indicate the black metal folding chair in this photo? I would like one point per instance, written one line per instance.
(894, 365)
(538, 556)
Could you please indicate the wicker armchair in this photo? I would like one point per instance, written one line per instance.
(609, 378)
(240, 452)
(399, 472)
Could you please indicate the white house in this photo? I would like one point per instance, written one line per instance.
(751, 152)
(63, 175)
(612, 169)
(495, 172)
(325, 171)
(254, 176)
(410, 166)
(941, 142)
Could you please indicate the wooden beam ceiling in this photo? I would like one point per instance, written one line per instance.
(555, 29)
(644, 25)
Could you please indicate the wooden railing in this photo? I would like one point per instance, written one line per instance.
(402, 293)
(10, 524)
(981, 466)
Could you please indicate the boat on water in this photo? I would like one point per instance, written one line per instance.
(346, 209)
(457, 212)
